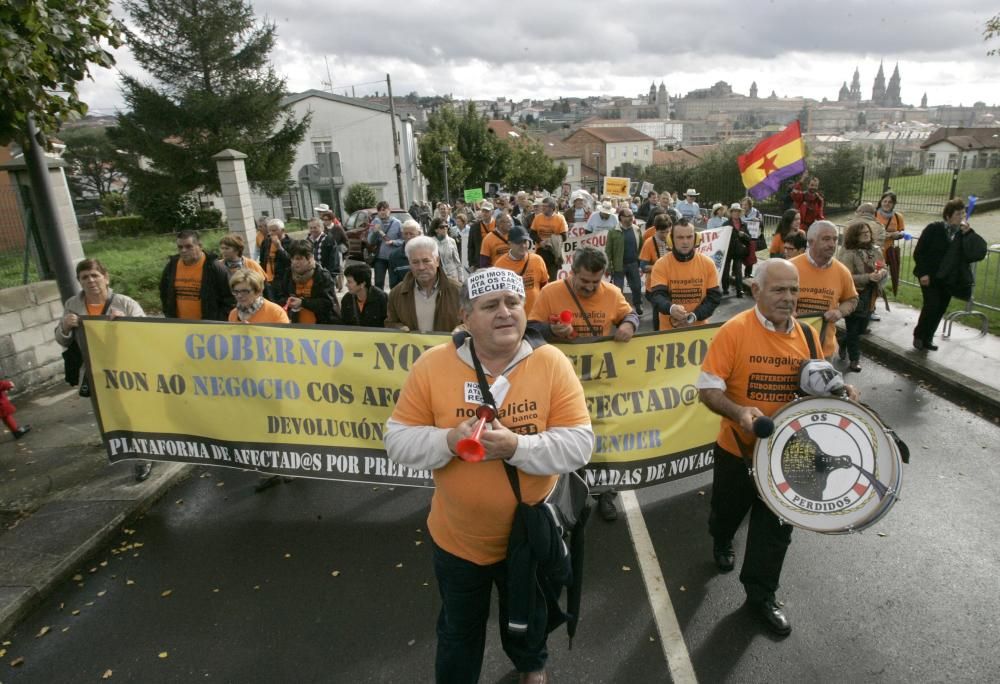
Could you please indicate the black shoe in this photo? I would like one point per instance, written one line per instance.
(855, 367)
(772, 615)
(874, 317)
(638, 312)
(606, 506)
(918, 344)
(22, 431)
(84, 389)
(739, 294)
(142, 471)
(930, 346)
(725, 558)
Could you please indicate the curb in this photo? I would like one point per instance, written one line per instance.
(17, 600)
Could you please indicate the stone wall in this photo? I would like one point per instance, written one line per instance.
(29, 353)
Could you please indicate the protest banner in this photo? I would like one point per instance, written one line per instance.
(473, 195)
(714, 244)
(616, 187)
(312, 401)
(646, 188)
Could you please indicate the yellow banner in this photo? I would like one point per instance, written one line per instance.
(312, 401)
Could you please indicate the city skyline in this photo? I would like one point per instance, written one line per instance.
(470, 54)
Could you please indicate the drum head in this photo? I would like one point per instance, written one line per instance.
(828, 467)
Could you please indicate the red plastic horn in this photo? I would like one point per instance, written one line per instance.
(471, 449)
(566, 317)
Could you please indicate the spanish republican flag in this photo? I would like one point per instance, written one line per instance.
(773, 160)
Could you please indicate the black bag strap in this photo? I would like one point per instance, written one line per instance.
(590, 326)
(527, 262)
(484, 389)
(808, 332)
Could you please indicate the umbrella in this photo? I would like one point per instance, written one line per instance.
(892, 260)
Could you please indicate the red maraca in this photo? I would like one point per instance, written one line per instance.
(471, 449)
(566, 317)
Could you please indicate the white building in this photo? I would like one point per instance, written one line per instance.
(360, 133)
(962, 148)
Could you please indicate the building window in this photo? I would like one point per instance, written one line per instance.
(322, 146)
(952, 161)
(931, 158)
(635, 151)
(569, 171)
(612, 151)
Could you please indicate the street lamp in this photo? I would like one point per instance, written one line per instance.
(444, 151)
(597, 190)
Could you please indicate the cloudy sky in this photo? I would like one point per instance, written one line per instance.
(520, 49)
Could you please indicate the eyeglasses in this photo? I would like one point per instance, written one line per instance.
(242, 292)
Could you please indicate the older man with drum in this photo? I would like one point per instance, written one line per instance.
(752, 370)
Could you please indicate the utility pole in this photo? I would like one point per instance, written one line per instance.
(447, 195)
(48, 220)
(395, 145)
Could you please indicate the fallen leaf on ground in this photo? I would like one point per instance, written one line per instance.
(179, 501)
(683, 588)
(75, 612)
(17, 662)
(129, 581)
(163, 654)
(43, 631)
(106, 675)
(411, 642)
(219, 484)
(104, 564)
(418, 542)
(399, 565)
(101, 593)
(288, 555)
(215, 591)
(626, 568)
(167, 593)
(335, 573)
(77, 578)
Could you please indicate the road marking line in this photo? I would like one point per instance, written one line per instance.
(674, 649)
(54, 399)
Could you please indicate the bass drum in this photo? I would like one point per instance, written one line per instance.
(830, 466)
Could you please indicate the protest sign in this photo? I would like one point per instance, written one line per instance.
(616, 187)
(473, 195)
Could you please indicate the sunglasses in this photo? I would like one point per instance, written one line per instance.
(242, 292)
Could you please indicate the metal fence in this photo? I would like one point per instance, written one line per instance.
(20, 250)
(926, 190)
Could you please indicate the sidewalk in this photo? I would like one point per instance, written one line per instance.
(61, 502)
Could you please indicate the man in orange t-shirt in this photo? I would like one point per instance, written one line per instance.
(596, 307)
(496, 243)
(543, 429)
(752, 370)
(529, 266)
(825, 285)
(194, 285)
(684, 285)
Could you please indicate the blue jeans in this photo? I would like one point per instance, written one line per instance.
(634, 282)
(465, 609)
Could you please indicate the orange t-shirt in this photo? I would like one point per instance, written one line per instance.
(651, 252)
(187, 284)
(688, 281)
(535, 275)
(821, 290)
(777, 245)
(473, 505)
(269, 313)
(95, 309)
(898, 226)
(650, 232)
(759, 366)
(547, 226)
(269, 260)
(494, 247)
(605, 308)
(301, 291)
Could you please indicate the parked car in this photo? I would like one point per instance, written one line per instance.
(356, 228)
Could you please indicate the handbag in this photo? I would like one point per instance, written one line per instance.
(73, 355)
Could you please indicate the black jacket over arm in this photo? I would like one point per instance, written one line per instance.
(948, 263)
(216, 299)
(322, 299)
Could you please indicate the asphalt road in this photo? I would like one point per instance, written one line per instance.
(328, 582)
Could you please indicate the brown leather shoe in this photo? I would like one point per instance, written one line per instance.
(538, 677)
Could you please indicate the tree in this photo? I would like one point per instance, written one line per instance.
(840, 174)
(214, 89)
(442, 132)
(992, 31)
(359, 196)
(46, 48)
(528, 168)
(93, 162)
